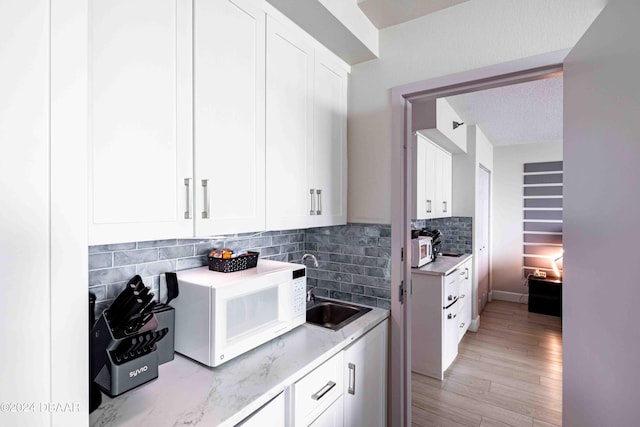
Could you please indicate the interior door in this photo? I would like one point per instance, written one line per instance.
(482, 245)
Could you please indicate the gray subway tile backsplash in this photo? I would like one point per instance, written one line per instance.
(457, 233)
(354, 260)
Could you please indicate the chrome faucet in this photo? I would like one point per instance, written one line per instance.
(311, 296)
(313, 257)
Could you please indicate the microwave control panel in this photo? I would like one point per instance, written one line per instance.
(299, 292)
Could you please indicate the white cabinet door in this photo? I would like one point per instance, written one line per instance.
(365, 379)
(289, 131)
(444, 183)
(420, 207)
(329, 178)
(229, 61)
(140, 141)
(432, 179)
(272, 414)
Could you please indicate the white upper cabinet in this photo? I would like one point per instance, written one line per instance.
(306, 117)
(289, 133)
(140, 142)
(329, 178)
(211, 117)
(432, 184)
(229, 99)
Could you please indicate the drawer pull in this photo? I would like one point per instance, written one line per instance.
(324, 390)
(352, 379)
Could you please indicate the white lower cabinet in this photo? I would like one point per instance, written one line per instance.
(273, 414)
(365, 379)
(350, 389)
(441, 313)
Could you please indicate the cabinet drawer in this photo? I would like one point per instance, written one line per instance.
(453, 286)
(318, 390)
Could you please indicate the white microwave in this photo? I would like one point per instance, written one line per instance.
(421, 251)
(221, 315)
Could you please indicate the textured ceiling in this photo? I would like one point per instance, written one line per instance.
(385, 13)
(516, 114)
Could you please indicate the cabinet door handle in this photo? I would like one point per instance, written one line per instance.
(467, 271)
(319, 194)
(313, 210)
(428, 206)
(187, 212)
(324, 390)
(205, 188)
(352, 379)
(444, 206)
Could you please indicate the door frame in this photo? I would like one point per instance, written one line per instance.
(402, 98)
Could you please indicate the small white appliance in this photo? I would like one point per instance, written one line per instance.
(221, 315)
(421, 251)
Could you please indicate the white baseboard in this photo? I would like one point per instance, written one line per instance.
(475, 324)
(510, 296)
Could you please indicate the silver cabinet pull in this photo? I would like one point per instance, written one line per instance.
(352, 379)
(319, 194)
(428, 206)
(313, 210)
(205, 188)
(187, 212)
(444, 206)
(467, 271)
(324, 390)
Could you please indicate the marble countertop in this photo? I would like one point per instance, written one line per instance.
(187, 393)
(442, 266)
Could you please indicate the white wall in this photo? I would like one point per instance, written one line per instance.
(506, 236)
(471, 35)
(602, 222)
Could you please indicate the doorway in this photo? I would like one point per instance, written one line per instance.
(541, 67)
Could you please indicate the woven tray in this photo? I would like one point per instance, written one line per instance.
(231, 265)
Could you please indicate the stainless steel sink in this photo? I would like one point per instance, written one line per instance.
(334, 315)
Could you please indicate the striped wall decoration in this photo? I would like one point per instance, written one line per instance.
(542, 218)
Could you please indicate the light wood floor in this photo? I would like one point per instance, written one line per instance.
(509, 373)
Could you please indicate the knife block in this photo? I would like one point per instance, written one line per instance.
(166, 315)
(116, 377)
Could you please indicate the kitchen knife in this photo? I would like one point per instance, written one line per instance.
(141, 341)
(122, 302)
(121, 321)
(172, 286)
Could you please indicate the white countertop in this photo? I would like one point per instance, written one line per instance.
(442, 266)
(188, 393)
